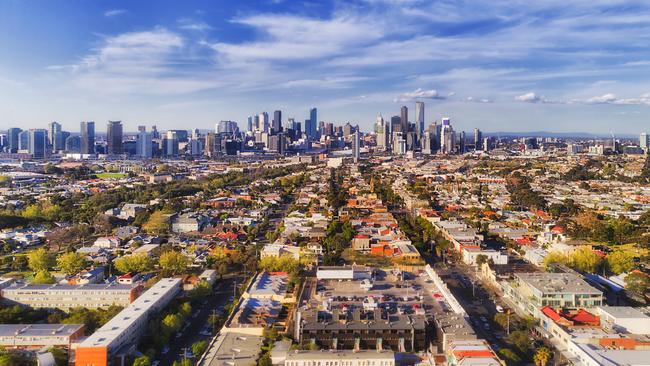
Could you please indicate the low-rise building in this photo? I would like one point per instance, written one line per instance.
(532, 291)
(39, 335)
(71, 296)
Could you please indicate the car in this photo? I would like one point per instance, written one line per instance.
(178, 334)
(155, 363)
(483, 319)
(500, 308)
(165, 350)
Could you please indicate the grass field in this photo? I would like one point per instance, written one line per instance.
(111, 175)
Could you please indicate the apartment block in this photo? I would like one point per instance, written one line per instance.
(64, 296)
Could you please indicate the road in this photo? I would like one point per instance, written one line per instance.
(220, 298)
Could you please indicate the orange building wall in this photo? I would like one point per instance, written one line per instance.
(91, 356)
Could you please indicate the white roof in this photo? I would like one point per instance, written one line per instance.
(108, 333)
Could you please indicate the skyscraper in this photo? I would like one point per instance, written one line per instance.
(249, 125)
(53, 129)
(381, 129)
(356, 147)
(313, 118)
(478, 139)
(461, 143)
(87, 135)
(644, 141)
(263, 122)
(13, 140)
(277, 122)
(170, 143)
(419, 117)
(447, 137)
(37, 143)
(144, 147)
(404, 119)
(23, 140)
(114, 137)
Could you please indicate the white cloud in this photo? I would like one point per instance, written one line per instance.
(114, 12)
(189, 24)
(611, 98)
(289, 37)
(137, 62)
(532, 97)
(419, 94)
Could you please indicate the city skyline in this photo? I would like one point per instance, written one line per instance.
(580, 67)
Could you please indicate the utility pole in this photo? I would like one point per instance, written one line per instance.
(214, 321)
(508, 321)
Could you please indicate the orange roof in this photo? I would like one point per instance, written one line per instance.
(473, 353)
(585, 317)
(558, 229)
(551, 313)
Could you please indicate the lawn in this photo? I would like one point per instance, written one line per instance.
(111, 175)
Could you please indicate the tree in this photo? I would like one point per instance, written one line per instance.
(71, 262)
(620, 262)
(158, 223)
(199, 347)
(584, 259)
(509, 356)
(265, 360)
(183, 362)
(172, 323)
(637, 282)
(173, 262)
(481, 259)
(142, 361)
(43, 278)
(555, 258)
(133, 263)
(521, 340)
(202, 289)
(542, 356)
(501, 319)
(39, 260)
(19, 263)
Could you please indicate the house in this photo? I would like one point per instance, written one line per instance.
(107, 242)
(187, 222)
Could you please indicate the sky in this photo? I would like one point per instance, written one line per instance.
(499, 65)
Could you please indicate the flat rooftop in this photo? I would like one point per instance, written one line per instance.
(65, 287)
(339, 355)
(269, 283)
(623, 312)
(39, 330)
(233, 349)
(254, 313)
(148, 301)
(546, 282)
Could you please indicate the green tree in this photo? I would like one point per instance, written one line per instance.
(620, 261)
(481, 259)
(158, 223)
(173, 262)
(43, 278)
(199, 347)
(542, 356)
(265, 360)
(584, 259)
(142, 361)
(555, 258)
(172, 323)
(71, 262)
(202, 289)
(39, 260)
(521, 340)
(183, 362)
(509, 356)
(637, 282)
(133, 263)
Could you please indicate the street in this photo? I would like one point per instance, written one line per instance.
(220, 298)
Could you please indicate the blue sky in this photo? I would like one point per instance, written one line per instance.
(499, 65)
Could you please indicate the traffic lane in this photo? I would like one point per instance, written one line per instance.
(219, 298)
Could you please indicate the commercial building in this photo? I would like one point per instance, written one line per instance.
(87, 135)
(35, 336)
(334, 316)
(114, 137)
(37, 143)
(269, 285)
(532, 291)
(118, 338)
(232, 349)
(624, 319)
(339, 358)
(71, 296)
